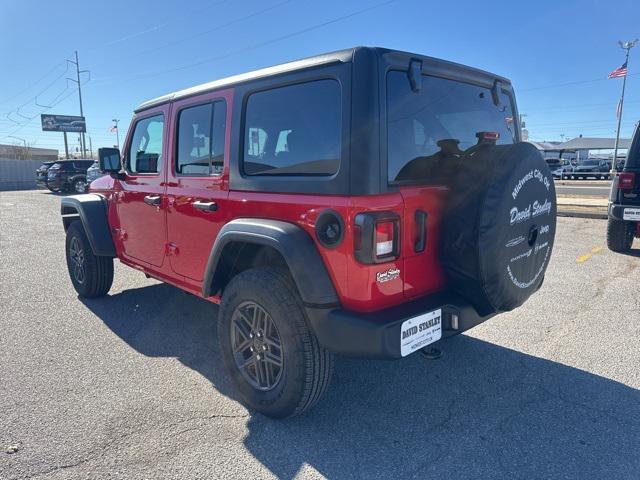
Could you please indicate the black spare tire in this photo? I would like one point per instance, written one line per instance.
(499, 226)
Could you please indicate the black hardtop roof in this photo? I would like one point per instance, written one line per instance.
(339, 56)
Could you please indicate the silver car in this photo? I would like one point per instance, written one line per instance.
(94, 172)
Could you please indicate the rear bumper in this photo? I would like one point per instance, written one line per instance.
(377, 334)
(617, 211)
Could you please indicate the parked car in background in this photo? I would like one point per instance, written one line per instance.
(624, 201)
(41, 173)
(68, 175)
(560, 168)
(94, 172)
(592, 167)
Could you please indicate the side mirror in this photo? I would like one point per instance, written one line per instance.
(109, 160)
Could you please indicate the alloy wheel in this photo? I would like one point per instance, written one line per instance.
(76, 253)
(256, 345)
(80, 186)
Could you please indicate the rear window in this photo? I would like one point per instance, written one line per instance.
(438, 123)
(294, 130)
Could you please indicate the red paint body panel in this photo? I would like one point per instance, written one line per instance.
(142, 227)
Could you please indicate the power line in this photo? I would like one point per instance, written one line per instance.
(257, 45)
(211, 30)
(579, 82)
(31, 85)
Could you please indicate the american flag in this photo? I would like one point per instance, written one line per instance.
(113, 129)
(619, 72)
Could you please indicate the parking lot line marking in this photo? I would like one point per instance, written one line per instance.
(587, 256)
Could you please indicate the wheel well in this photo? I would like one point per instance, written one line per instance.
(69, 215)
(237, 257)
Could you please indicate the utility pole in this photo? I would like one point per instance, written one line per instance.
(90, 147)
(626, 46)
(66, 146)
(77, 80)
(115, 120)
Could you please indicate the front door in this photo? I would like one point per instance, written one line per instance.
(197, 180)
(141, 201)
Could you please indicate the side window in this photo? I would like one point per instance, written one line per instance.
(145, 151)
(294, 130)
(201, 136)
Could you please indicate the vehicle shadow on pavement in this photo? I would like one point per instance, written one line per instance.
(481, 411)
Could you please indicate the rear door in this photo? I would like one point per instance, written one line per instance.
(428, 130)
(198, 179)
(141, 201)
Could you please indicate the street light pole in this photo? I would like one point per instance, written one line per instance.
(24, 143)
(626, 46)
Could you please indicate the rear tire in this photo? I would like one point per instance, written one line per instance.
(619, 235)
(260, 310)
(90, 274)
(79, 185)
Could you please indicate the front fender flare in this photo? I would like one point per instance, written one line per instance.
(292, 242)
(92, 210)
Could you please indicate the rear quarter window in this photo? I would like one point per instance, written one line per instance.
(294, 130)
(432, 127)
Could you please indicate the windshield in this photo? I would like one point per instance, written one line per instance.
(438, 123)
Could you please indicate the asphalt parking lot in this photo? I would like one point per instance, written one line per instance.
(132, 386)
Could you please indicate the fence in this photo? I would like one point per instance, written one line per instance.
(18, 174)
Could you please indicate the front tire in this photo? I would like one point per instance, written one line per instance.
(273, 358)
(619, 235)
(90, 274)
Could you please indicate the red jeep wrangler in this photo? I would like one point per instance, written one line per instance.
(365, 202)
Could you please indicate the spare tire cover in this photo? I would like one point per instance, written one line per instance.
(499, 226)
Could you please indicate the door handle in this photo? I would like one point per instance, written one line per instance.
(153, 200)
(205, 206)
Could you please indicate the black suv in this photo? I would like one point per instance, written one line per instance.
(68, 175)
(624, 201)
(41, 173)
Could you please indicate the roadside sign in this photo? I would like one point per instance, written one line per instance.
(62, 123)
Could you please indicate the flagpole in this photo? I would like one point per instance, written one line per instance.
(627, 46)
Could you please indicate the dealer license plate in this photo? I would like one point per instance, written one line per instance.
(631, 214)
(420, 331)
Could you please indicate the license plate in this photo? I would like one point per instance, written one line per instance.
(420, 331)
(631, 214)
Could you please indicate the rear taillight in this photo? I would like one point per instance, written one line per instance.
(626, 180)
(377, 237)
(384, 238)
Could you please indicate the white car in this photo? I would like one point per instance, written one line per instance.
(93, 172)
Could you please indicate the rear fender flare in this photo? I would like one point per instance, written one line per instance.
(294, 244)
(91, 209)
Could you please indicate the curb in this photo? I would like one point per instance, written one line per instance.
(582, 214)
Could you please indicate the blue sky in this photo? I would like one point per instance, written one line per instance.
(557, 54)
